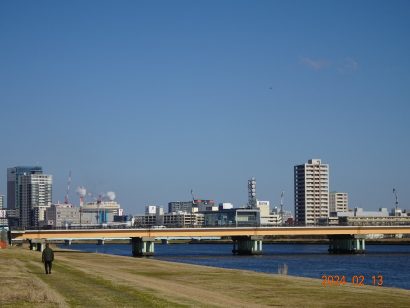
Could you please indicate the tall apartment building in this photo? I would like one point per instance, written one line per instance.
(12, 183)
(35, 194)
(338, 202)
(311, 192)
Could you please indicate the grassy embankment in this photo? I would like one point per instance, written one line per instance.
(96, 280)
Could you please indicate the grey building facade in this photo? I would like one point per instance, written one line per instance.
(180, 206)
(13, 175)
(61, 215)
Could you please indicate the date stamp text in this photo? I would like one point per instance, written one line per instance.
(358, 280)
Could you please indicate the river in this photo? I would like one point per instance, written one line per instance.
(307, 260)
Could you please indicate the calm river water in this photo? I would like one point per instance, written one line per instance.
(390, 261)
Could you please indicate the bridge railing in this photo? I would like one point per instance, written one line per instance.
(127, 226)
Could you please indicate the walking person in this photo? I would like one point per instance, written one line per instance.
(48, 258)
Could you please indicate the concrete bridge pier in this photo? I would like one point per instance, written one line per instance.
(247, 245)
(339, 244)
(142, 246)
(37, 245)
(32, 245)
(41, 246)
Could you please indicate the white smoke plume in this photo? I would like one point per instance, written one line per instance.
(110, 195)
(81, 191)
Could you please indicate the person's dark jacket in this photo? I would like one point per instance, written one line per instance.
(48, 255)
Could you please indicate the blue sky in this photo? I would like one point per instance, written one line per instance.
(152, 98)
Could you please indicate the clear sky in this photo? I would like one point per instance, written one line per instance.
(152, 98)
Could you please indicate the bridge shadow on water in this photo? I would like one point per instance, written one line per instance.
(70, 251)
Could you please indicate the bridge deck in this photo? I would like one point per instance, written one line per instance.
(206, 232)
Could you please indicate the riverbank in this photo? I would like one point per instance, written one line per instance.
(89, 279)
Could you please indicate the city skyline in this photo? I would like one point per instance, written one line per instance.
(151, 101)
(92, 196)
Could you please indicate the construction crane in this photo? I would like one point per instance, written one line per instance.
(66, 201)
(193, 198)
(396, 203)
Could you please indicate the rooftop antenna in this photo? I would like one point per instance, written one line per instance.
(396, 203)
(193, 198)
(66, 201)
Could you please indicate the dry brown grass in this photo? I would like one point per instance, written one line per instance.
(87, 279)
(19, 287)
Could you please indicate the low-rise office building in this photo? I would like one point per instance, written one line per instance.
(99, 212)
(194, 206)
(236, 217)
(358, 217)
(62, 215)
(180, 206)
(268, 217)
(146, 221)
(154, 216)
(183, 220)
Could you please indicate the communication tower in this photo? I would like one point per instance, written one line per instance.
(281, 206)
(252, 192)
(193, 198)
(66, 201)
(396, 203)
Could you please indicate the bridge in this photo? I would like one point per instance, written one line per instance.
(247, 240)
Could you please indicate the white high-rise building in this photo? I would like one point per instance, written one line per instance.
(311, 192)
(35, 193)
(338, 202)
